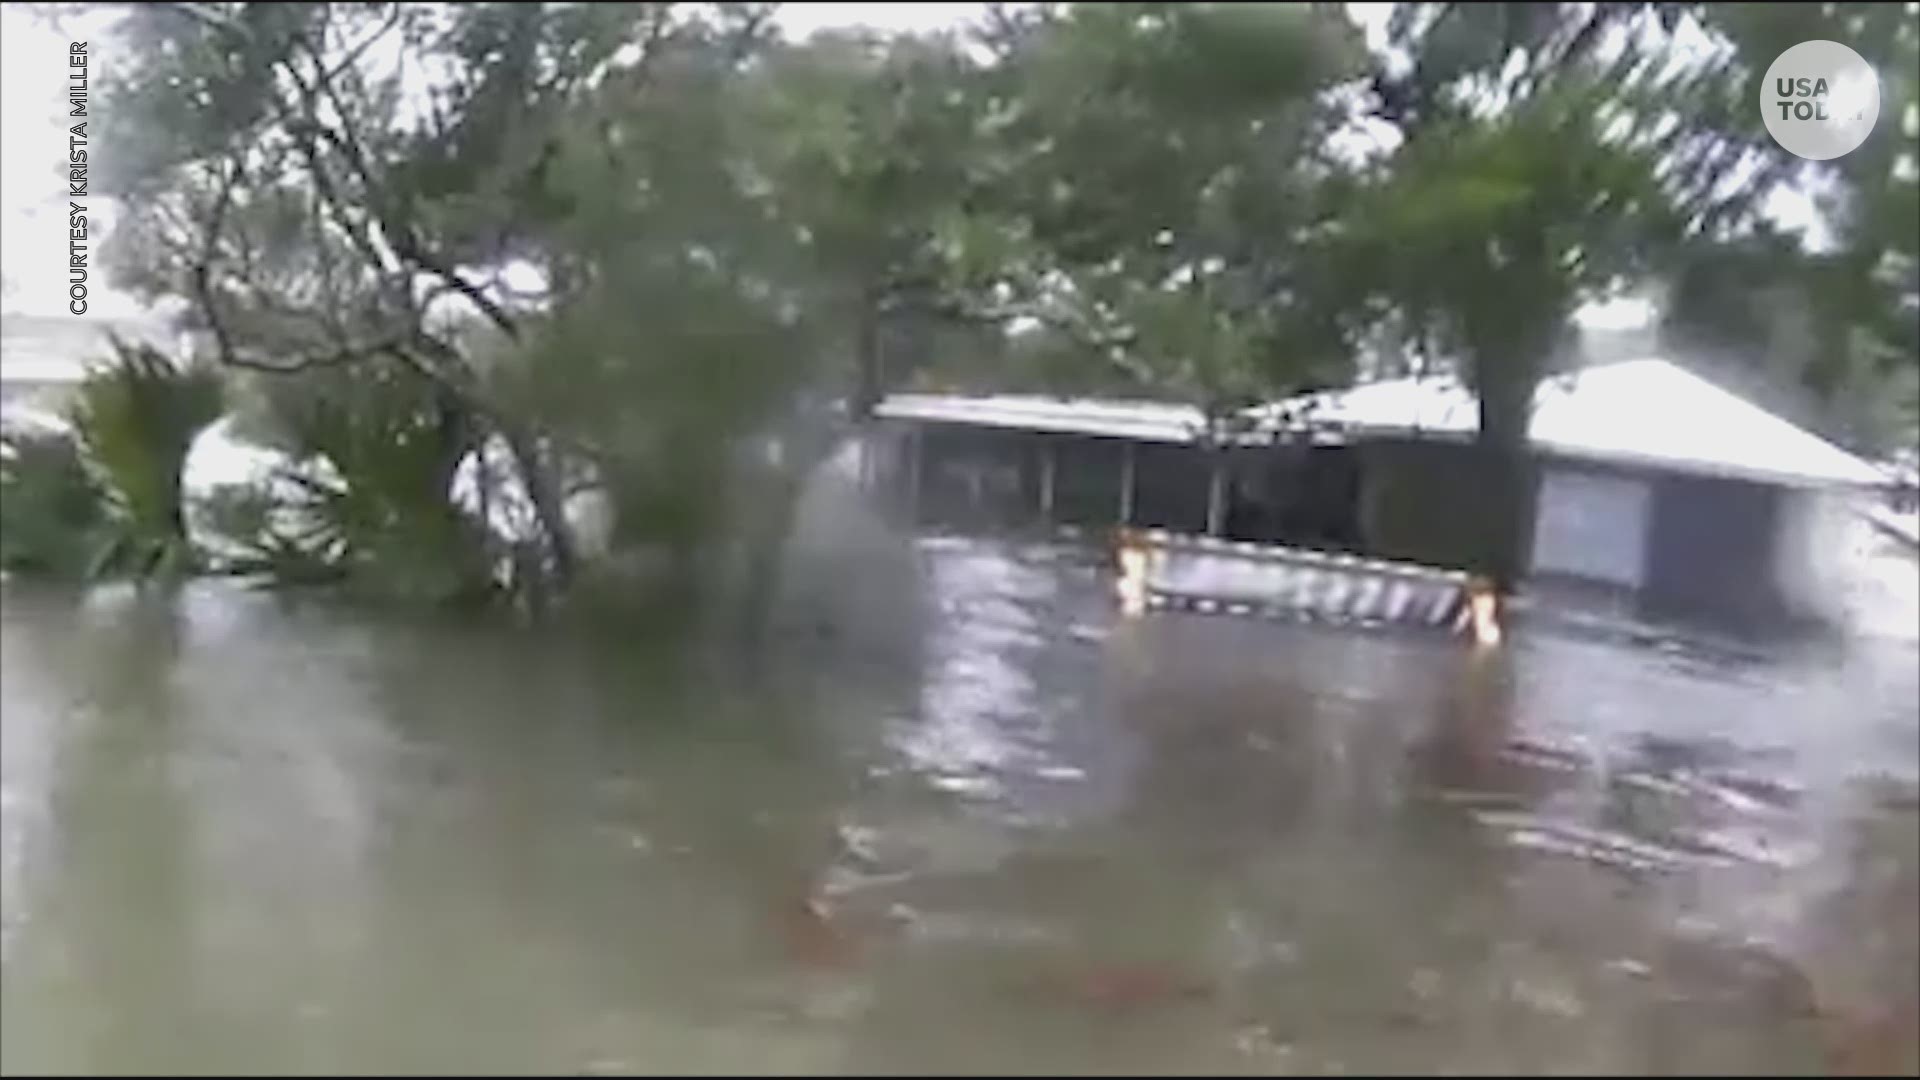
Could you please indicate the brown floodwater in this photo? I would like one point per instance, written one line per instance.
(961, 818)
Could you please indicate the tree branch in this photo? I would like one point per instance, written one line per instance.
(353, 55)
(344, 355)
(211, 19)
(408, 247)
(401, 234)
(203, 267)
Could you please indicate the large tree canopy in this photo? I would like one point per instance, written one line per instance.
(1831, 333)
(1174, 174)
(1551, 152)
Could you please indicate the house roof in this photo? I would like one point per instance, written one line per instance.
(1646, 412)
(1144, 421)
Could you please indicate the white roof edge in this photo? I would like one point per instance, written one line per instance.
(1646, 413)
(1723, 471)
(1153, 421)
(1585, 415)
(1870, 477)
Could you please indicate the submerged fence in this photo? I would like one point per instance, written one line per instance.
(1162, 570)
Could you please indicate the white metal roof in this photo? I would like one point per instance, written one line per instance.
(1645, 412)
(1146, 421)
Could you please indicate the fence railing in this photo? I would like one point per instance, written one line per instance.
(1163, 570)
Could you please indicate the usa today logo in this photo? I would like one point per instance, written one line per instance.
(1820, 100)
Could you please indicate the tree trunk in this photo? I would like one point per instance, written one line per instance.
(869, 376)
(773, 520)
(1507, 468)
(765, 543)
(547, 501)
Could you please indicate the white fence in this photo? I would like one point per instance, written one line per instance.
(1207, 575)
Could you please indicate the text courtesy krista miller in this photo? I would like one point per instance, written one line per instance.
(77, 178)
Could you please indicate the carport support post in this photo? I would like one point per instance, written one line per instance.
(1216, 495)
(1126, 484)
(913, 473)
(1046, 479)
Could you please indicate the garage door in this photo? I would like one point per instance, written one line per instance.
(1592, 527)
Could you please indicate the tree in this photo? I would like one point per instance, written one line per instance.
(874, 152)
(1171, 169)
(326, 204)
(1837, 325)
(137, 418)
(52, 511)
(1488, 233)
(788, 207)
(1527, 178)
(264, 155)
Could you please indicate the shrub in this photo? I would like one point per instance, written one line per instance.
(51, 511)
(137, 417)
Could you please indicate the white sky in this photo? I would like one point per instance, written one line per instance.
(33, 120)
(33, 72)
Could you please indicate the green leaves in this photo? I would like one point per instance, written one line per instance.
(368, 497)
(1834, 326)
(51, 510)
(1166, 163)
(1522, 185)
(1511, 220)
(137, 418)
(106, 499)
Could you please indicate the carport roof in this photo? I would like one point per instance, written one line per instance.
(1649, 413)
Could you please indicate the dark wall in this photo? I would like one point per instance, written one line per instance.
(1086, 485)
(1710, 551)
(1711, 544)
(984, 478)
(978, 478)
(991, 478)
(1170, 487)
(1303, 496)
(1425, 501)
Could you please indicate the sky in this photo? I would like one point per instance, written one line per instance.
(33, 207)
(33, 70)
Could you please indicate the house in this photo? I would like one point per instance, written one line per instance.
(1656, 491)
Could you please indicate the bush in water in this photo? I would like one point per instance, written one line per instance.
(369, 500)
(51, 511)
(136, 418)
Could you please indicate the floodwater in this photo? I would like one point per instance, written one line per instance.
(1006, 832)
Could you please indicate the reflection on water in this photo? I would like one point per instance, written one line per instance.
(241, 834)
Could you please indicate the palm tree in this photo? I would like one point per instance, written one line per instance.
(136, 418)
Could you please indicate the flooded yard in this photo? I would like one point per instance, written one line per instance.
(244, 834)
